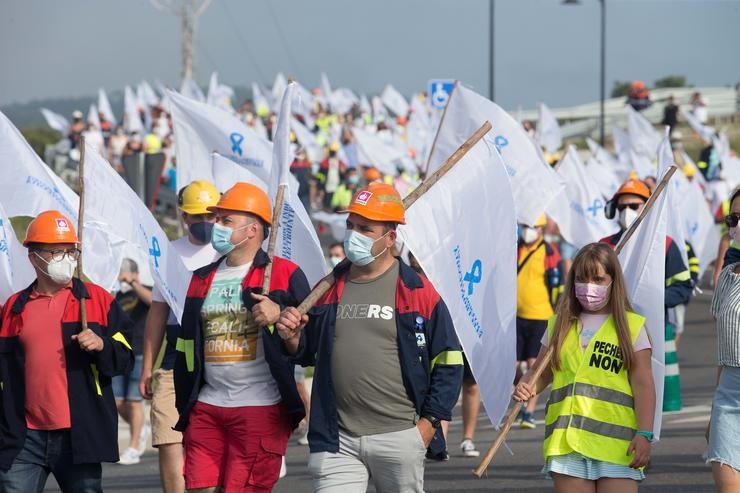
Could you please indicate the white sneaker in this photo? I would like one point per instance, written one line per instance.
(283, 469)
(143, 437)
(129, 457)
(302, 435)
(468, 448)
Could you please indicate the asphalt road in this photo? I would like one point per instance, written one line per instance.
(676, 465)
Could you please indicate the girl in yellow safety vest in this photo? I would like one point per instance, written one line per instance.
(599, 418)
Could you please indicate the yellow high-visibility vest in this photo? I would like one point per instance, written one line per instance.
(591, 407)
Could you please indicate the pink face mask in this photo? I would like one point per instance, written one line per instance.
(593, 297)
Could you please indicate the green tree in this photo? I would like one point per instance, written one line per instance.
(620, 89)
(38, 137)
(671, 81)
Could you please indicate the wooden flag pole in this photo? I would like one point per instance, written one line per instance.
(545, 362)
(80, 227)
(327, 282)
(277, 211)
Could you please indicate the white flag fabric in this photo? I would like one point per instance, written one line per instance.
(16, 272)
(93, 117)
(642, 164)
(307, 140)
(613, 165)
(365, 107)
(120, 212)
(55, 121)
(643, 264)
(533, 181)
(278, 87)
(131, 118)
(190, 89)
(201, 129)
(373, 151)
(146, 93)
(473, 268)
(675, 226)
(219, 95)
(297, 240)
(327, 94)
(704, 131)
(303, 104)
(282, 157)
(343, 99)
(394, 101)
(701, 231)
(580, 210)
(643, 136)
(261, 104)
(548, 130)
(105, 108)
(337, 223)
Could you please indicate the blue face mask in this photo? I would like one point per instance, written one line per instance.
(359, 248)
(201, 231)
(221, 238)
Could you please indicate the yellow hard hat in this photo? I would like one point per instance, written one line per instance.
(197, 197)
(689, 171)
(334, 146)
(541, 221)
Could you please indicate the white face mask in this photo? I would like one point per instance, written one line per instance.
(529, 235)
(627, 217)
(334, 261)
(59, 271)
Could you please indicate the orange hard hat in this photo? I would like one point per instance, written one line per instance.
(378, 202)
(638, 84)
(633, 187)
(50, 227)
(245, 197)
(373, 174)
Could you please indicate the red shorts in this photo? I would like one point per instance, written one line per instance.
(237, 448)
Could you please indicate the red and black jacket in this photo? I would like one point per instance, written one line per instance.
(94, 431)
(288, 287)
(428, 349)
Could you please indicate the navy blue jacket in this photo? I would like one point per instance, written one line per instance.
(428, 349)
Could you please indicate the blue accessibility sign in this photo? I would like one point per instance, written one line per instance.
(439, 91)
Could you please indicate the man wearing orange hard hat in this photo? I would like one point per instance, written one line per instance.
(235, 389)
(628, 202)
(388, 362)
(54, 373)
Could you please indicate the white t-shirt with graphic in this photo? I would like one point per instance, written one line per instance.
(236, 373)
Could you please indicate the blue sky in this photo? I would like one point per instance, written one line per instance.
(544, 51)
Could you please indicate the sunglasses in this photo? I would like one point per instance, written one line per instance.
(731, 220)
(634, 207)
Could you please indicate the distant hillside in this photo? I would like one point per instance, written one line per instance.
(28, 114)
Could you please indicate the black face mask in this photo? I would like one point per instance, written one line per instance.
(201, 231)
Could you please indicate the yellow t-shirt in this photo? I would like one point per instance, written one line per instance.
(532, 298)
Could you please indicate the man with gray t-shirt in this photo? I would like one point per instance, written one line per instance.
(388, 362)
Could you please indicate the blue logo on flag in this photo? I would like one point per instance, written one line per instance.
(474, 276)
(236, 142)
(596, 207)
(155, 252)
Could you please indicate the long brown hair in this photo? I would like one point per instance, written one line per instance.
(585, 268)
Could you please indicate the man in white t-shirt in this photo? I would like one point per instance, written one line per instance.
(196, 251)
(235, 388)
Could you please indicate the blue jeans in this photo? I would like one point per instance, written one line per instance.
(47, 452)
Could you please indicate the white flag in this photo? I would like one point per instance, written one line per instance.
(201, 129)
(394, 101)
(372, 151)
(120, 212)
(643, 264)
(643, 136)
(580, 210)
(282, 157)
(473, 268)
(219, 95)
(104, 107)
(642, 164)
(261, 104)
(307, 140)
(16, 272)
(297, 240)
(93, 117)
(705, 131)
(343, 99)
(55, 121)
(548, 130)
(146, 94)
(131, 118)
(533, 181)
(675, 226)
(189, 88)
(278, 87)
(326, 92)
(613, 166)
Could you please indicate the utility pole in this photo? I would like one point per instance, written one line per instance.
(188, 11)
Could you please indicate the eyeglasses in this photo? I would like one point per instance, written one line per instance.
(731, 220)
(58, 255)
(634, 207)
